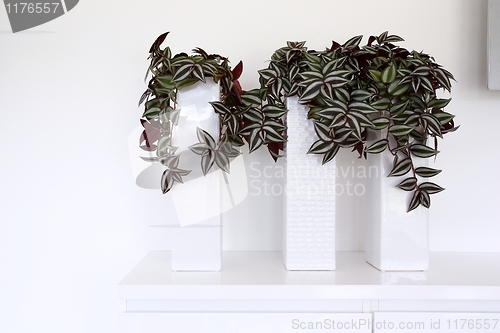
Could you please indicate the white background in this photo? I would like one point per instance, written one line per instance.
(73, 222)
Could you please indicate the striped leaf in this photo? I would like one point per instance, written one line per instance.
(323, 131)
(399, 108)
(423, 151)
(353, 42)
(433, 124)
(267, 74)
(426, 172)
(311, 91)
(329, 155)
(360, 95)
(380, 123)
(207, 161)
(273, 111)
(401, 168)
(362, 107)
(442, 78)
(389, 74)
(376, 75)
(430, 188)
(254, 115)
(400, 130)
(205, 137)
(381, 104)
(222, 161)
(415, 201)
(425, 198)
(220, 108)
(443, 117)
(342, 94)
(397, 89)
(251, 98)
(438, 103)
(199, 73)
(408, 184)
(377, 147)
(320, 147)
(255, 140)
(183, 72)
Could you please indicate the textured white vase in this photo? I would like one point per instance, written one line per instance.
(309, 200)
(197, 243)
(395, 239)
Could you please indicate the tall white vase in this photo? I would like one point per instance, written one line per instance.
(309, 200)
(395, 239)
(197, 243)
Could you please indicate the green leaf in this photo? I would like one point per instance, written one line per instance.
(432, 123)
(353, 42)
(415, 201)
(329, 155)
(430, 188)
(254, 115)
(251, 98)
(443, 117)
(220, 108)
(380, 123)
(381, 104)
(377, 147)
(425, 199)
(400, 130)
(389, 74)
(438, 103)
(274, 111)
(399, 108)
(323, 131)
(401, 168)
(442, 78)
(320, 147)
(182, 72)
(205, 137)
(360, 95)
(199, 148)
(376, 75)
(310, 92)
(207, 161)
(423, 151)
(198, 73)
(255, 140)
(362, 107)
(166, 181)
(272, 134)
(397, 89)
(222, 161)
(268, 74)
(427, 172)
(342, 94)
(408, 184)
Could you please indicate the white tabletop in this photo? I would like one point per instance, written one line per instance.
(261, 275)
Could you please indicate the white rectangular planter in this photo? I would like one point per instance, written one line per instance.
(395, 239)
(197, 243)
(309, 200)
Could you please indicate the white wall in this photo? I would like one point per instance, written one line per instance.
(73, 223)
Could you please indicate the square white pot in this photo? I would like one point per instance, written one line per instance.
(395, 239)
(197, 243)
(309, 200)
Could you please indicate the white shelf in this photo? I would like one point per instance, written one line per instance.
(262, 276)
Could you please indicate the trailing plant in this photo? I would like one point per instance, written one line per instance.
(169, 74)
(351, 90)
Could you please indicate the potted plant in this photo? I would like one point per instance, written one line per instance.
(183, 118)
(378, 99)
